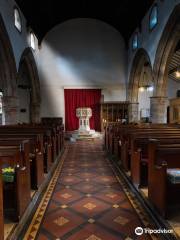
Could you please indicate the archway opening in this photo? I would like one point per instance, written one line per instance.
(28, 89)
(165, 68)
(173, 86)
(141, 87)
(24, 93)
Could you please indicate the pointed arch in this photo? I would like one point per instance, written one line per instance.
(167, 44)
(28, 66)
(140, 60)
(8, 71)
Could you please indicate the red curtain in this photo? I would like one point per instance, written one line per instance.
(75, 98)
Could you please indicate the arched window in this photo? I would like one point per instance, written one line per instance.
(153, 18)
(32, 40)
(135, 41)
(17, 19)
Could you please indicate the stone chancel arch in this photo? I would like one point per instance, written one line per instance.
(141, 65)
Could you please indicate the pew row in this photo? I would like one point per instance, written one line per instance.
(163, 189)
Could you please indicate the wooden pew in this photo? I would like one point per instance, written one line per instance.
(126, 142)
(116, 136)
(17, 194)
(48, 140)
(1, 209)
(161, 192)
(139, 156)
(33, 161)
(39, 134)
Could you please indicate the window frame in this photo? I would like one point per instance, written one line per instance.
(31, 33)
(16, 9)
(137, 36)
(155, 6)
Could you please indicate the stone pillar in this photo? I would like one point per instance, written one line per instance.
(133, 111)
(35, 113)
(10, 110)
(158, 109)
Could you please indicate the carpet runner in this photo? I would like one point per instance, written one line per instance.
(85, 200)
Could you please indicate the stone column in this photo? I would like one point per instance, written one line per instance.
(10, 110)
(35, 113)
(158, 109)
(133, 110)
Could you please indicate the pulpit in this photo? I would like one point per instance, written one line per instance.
(84, 115)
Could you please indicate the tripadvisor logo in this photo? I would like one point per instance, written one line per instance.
(139, 231)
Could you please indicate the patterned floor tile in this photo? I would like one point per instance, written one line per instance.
(61, 222)
(86, 187)
(90, 206)
(93, 232)
(86, 200)
(66, 196)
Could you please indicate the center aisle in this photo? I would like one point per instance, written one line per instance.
(85, 200)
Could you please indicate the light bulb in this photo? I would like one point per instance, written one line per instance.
(150, 88)
(178, 73)
(141, 89)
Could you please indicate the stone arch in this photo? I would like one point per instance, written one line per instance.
(166, 47)
(141, 58)
(167, 44)
(7, 62)
(8, 75)
(28, 66)
(140, 61)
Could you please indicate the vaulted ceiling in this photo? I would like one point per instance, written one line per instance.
(124, 15)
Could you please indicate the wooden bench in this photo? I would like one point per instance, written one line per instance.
(162, 193)
(17, 194)
(1, 209)
(139, 156)
(126, 142)
(34, 159)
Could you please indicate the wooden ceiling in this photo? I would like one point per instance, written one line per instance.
(174, 64)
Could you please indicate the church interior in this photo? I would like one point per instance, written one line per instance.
(89, 120)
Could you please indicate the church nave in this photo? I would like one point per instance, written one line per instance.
(87, 200)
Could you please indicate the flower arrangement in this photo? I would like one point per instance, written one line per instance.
(8, 174)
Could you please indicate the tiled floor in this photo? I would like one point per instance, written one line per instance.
(85, 200)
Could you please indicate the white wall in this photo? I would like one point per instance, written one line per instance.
(144, 101)
(81, 53)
